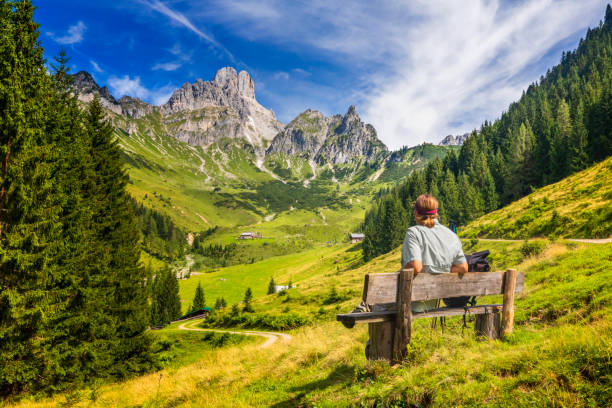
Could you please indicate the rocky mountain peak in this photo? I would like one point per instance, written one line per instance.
(85, 83)
(229, 100)
(336, 139)
(451, 140)
(134, 107)
(227, 78)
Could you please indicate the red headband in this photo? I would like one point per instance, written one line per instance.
(428, 212)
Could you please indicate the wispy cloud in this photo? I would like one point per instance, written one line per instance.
(95, 66)
(166, 66)
(73, 36)
(180, 19)
(182, 57)
(125, 85)
(424, 68)
(281, 75)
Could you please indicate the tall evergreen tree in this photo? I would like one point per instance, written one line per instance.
(30, 199)
(199, 301)
(248, 298)
(165, 303)
(271, 286)
(117, 238)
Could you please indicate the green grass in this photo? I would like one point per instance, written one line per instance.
(560, 353)
(232, 282)
(175, 348)
(579, 206)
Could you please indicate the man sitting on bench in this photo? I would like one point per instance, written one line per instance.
(431, 247)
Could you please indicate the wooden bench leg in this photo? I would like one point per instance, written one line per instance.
(380, 346)
(488, 324)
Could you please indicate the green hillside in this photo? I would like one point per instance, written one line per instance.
(323, 365)
(579, 206)
(225, 189)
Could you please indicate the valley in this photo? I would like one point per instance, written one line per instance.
(196, 251)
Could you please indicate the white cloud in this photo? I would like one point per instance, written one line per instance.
(281, 76)
(125, 85)
(74, 35)
(427, 68)
(180, 19)
(166, 66)
(95, 66)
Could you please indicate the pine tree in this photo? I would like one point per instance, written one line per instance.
(117, 238)
(248, 298)
(165, 303)
(450, 196)
(199, 301)
(579, 158)
(42, 247)
(271, 286)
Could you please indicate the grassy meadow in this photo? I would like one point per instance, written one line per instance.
(579, 206)
(560, 353)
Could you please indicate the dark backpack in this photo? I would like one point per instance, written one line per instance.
(477, 262)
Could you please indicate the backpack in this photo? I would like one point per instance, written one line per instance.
(477, 262)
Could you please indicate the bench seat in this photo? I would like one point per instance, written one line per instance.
(350, 319)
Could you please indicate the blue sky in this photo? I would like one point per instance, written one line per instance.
(417, 70)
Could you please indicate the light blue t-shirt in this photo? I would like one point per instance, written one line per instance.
(438, 248)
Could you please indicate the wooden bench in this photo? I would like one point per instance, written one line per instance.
(388, 296)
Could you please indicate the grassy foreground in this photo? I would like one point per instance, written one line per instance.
(579, 206)
(559, 355)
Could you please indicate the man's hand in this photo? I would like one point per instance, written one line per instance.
(460, 268)
(416, 265)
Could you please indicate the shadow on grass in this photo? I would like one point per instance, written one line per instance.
(341, 375)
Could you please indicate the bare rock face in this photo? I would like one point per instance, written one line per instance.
(304, 135)
(205, 112)
(245, 117)
(134, 107)
(200, 113)
(451, 140)
(334, 140)
(86, 88)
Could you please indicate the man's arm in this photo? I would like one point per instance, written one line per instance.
(460, 268)
(416, 265)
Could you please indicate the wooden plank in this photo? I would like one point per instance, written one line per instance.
(403, 319)
(382, 287)
(349, 319)
(510, 282)
(384, 316)
(380, 346)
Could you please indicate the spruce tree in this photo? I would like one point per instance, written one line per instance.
(271, 286)
(248, 297)
(579, 158)
(30, 199)
(117, 238)
(199, 301)
(165, 303)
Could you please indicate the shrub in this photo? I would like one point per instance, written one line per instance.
(532, 248)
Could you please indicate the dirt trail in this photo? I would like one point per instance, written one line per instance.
(271, 337)
(584, 240)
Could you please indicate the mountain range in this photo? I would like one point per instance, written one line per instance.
(212, 156)
(206, 111)
(229, 144)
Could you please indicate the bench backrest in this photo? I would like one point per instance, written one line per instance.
(381, 288)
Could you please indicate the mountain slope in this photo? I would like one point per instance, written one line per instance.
(579, 206)
(200, 158)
